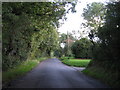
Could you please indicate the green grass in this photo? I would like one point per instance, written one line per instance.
(108, 77)
(20, 69)
(76, 62)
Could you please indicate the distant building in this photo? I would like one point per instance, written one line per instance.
(68, 41)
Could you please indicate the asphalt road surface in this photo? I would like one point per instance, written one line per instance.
(52, 73)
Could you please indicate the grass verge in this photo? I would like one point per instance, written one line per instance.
(76, 62)
(108, 77)
(19, 70)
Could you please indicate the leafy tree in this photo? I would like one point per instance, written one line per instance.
(44, 41)
(29, 29)
(106, 53)
(94, 15)
(81, 48)
(109, 33)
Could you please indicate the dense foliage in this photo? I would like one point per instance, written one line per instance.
(107, 48)
(29, 30)
(82, 48)
(109, 43)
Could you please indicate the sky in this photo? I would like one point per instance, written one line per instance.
(74, 20)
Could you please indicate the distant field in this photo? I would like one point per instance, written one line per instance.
(77, 62)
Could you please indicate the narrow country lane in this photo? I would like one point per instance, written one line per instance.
(52, 73)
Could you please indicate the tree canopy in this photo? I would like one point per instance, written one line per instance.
(107, 46)
(94, 15)
(82, 48)
(30, 29)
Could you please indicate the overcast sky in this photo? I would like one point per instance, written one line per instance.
(74, 20)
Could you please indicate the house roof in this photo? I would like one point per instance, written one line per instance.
(68, 40)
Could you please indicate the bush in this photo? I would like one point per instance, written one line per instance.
(82, 48)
